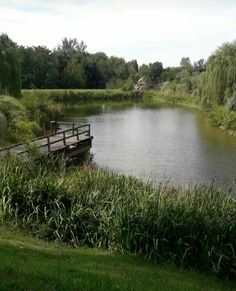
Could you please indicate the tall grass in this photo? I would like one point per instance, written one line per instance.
(172, 97)
(74, 96)
(195, 226)
(223, 118)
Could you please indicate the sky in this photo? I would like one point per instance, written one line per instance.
(146, 30)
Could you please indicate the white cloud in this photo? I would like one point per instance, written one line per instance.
(146, 30)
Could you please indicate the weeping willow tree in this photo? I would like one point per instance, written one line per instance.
(10, 81)
(218, 83)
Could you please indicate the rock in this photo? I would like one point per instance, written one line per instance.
(140, 84)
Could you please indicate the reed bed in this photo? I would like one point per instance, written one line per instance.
(191, 227)
(77, 95)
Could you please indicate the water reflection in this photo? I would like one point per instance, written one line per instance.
(155, 141)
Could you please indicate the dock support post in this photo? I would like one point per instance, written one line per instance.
(64, 138)
(77, 133)
(48, 143)
(73, 128)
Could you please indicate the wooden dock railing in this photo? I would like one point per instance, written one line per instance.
(57, 141)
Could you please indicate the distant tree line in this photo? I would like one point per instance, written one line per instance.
(71, 66)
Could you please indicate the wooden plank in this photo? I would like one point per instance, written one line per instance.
(69, 140)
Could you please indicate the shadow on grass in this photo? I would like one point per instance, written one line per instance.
(42, 267)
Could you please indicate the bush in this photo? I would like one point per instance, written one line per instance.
(12, 109)
(26, 130)
(41, 109)
(221, 117)
(11, 113)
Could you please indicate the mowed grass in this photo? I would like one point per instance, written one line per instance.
(28, 263)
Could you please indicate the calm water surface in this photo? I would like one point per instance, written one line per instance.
(156, 142)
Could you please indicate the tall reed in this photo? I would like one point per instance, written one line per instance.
(194, 226)
(77, 95)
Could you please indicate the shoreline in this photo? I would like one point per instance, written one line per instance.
(158, 96)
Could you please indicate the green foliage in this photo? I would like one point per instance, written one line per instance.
(23, 119)
(219, 80)
(195, 226)
(38, 68)
(3, 126)
(151, 73)
(10, 79)
(25, 130)
(40, 108)
(167, 95)
(25, 259)
(75, 96)
(183, 80)
(74, 74)
(69, 46)
(11, 108)
(221, 117)
(169, 74)
(231, 103)
(70, 66)
(185, 64)
(11, 112)
(128, 85)
(200, 66)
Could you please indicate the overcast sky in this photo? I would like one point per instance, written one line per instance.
(147, 30)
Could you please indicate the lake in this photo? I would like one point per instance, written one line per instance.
(158, 142)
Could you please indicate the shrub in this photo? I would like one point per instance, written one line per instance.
(41, 109)
(25, 130)
(12, 109)
(221, 117)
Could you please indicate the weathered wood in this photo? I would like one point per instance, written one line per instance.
(72, 141)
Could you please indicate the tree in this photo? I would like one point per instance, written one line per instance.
(69, 46)
(200, 66)
(74, 74)
(219, 81)
(154, 74)
(64, 53)
(39, 68)
(10, 77)
(170, 74)
(185, 64)
(143, 71)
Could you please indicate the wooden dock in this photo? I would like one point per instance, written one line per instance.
(70, 142)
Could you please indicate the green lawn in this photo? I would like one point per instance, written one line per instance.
(28, 263)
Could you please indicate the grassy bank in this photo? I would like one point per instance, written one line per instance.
(28, 263)
(218, 116)
(194, 227)
(24, 118)
(180, 99)
(75, 96)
